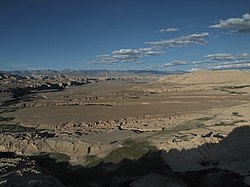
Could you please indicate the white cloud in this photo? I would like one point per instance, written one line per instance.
(222, 61)
(125, 55)
(201, 62)
(220, 56)
(181, 41)
(224, 57)
(244, 64)
(176, 63)
(196, 69)
(241, 25)
(153, 67)
(242, 56)
(169, 30)
(135, 55)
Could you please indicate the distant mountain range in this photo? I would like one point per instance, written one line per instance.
(90, 73)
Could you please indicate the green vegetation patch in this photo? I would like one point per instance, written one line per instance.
(239, 93)
(230, 88)
(229, 123)
(235, 87)
(58, 157)
(131, 149)
(93, 160)
(189, 125)
(204, 119)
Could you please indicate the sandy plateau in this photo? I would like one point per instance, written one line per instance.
(189, 129)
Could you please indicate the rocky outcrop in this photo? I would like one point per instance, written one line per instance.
(22, 171)
(76, 149)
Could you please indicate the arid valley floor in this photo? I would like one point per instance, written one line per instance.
(190, 129)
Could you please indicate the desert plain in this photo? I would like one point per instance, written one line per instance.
(185, 129)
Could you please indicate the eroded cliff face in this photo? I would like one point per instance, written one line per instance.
(77, 150)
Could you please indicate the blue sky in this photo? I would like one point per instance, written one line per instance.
(124, 34)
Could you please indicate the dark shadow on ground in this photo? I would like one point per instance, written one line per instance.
(154, 162)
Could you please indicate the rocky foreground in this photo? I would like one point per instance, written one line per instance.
(181, 130)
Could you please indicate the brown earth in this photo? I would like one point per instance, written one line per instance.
(188, 117)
